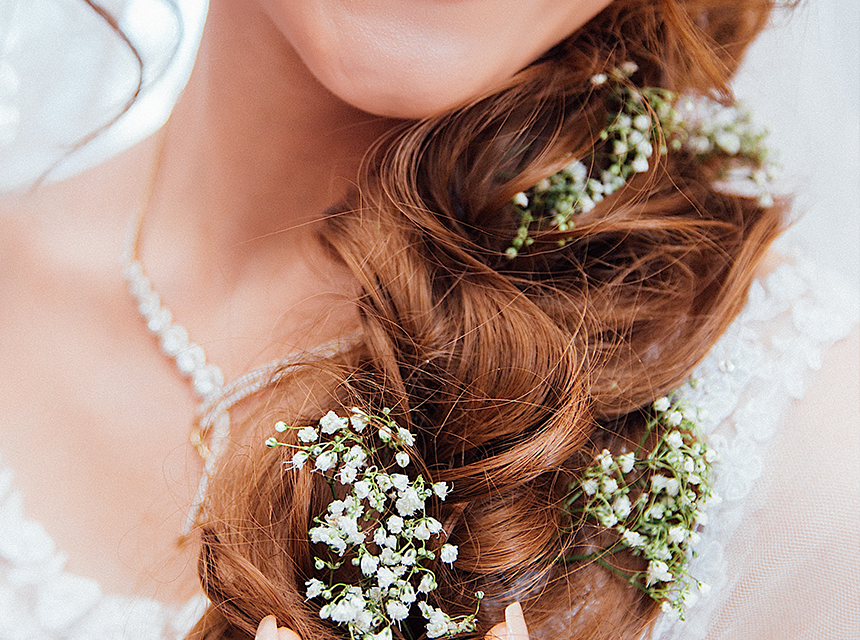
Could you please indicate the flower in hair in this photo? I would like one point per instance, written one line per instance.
(648, 120)
(655, 502)
(380, 526)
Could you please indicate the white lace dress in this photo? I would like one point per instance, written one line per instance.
(784, 538)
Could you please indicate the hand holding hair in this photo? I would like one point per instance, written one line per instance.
(268, 630)
(513, 628)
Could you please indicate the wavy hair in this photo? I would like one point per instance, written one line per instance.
(511, 373)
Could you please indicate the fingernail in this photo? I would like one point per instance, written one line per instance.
(268, 629)
(515, 622)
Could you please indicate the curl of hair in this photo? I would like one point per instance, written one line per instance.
(512, 373)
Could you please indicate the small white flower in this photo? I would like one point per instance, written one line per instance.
(448, 553)
(355, 457)
(427, 584)
(395, 524)
(362, 489)
(607, 518)
(407, 594)
(640, 164)
(670, 610)
(674, 439)
(658, 571)
(402, 459)
(422, 532)
(610, 486)
(409, 557)
(308, 434)
(629, 68)
(633, 539)
(658, 483)
(399, 481)
(409, 502)
(299, 459)
(661, 404)
(348, 475)
(405, 436)
(281, 426)
(675, 418)
(621, 506)
(728, 142)
(521, 200)
(645, 149)
(656, 512)
(673, 487)
(677, 534)
(315, 587)
(598, 79)
(385, 577)
(604, 458)
(326, 461)
(642, 122)
(383, 481)
(433, 525)
(441, 490)
(359, 420)
(589, 486)
(380, 536)
(331, 423)
(397, 610)
(619, 148)
(369, 564)
(626, 462)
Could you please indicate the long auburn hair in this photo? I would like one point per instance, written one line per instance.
(511, 373)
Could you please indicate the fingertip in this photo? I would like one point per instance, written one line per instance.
(499, 632)
(515, 621)
(268, 629)
(288, 634)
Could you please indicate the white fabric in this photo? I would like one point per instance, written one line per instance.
(64, 75)
(780, 552)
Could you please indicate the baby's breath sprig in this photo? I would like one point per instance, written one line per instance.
(380, 526)
(655, 502)
(648, 120)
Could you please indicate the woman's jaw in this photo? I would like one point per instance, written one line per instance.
(417, 58)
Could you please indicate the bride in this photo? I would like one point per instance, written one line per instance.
(340, 211)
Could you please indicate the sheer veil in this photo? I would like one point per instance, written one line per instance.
(781, 553)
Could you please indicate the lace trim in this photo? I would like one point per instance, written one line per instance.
(743, 388)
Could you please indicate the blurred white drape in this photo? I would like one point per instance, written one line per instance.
(65, 75)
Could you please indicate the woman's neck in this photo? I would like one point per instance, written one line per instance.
(256, 149)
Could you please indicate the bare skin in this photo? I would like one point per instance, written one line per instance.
(93, 419)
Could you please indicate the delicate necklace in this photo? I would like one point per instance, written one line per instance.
(207, 380)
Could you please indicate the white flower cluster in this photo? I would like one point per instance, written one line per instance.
(380, 526)
(649, 120)
(655, 501)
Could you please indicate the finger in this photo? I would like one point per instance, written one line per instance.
(288, 634)
(499, 632)
(515, 622)
(268, 629)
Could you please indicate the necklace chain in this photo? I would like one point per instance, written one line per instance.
(207, 380)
